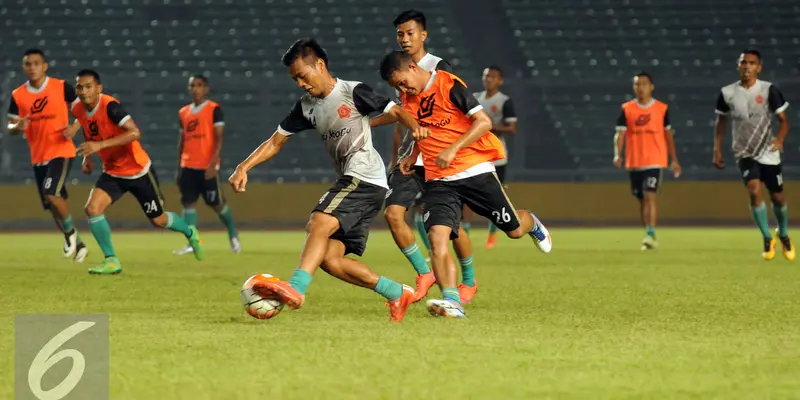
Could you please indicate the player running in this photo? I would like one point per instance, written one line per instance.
(643, 129)
(459, 167)
(111, 133)
(199, 147)
(406, 190)
(504, 123)
(38, 109)
(339, 225)
(751, 103)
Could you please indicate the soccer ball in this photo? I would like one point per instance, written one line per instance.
(255, 305)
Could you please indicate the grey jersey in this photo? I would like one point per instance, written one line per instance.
(342, 119)
(429, 63)
(501, 110)
(751, 111)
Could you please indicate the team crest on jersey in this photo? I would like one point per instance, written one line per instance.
(642, 120)
(426, 105)
(344, 111)
(93, 130)
(494, 108)
(39, 105)
(759, 99)
(192, 125)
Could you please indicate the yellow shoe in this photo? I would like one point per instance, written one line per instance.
(769, 249)
(788, 247)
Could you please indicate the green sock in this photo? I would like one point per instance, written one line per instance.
(782, 215)
(650, 231)
(414, 255)
(451, 294)
(467, 271)
(102, 234)
(423, 234)
(300, 280)
(760, 216)
(389, 289)
(227, 219)
(190, 216)
(66, 224)
(466, 226)
(492, 228)
(176, 224)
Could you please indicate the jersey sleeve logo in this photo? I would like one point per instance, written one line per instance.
(39, 105)
(344, 111)
(93, 130)
(192, 125)
(642, 120)
(426, 105)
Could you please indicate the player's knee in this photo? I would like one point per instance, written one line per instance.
(93, 210)
(159, 221)
(322, 223)
(395, 215)
(516, 233)
(217, 207)
(778, 199)
(439, 236)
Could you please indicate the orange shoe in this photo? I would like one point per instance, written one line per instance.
(466, 293)
(491, 241)
(424, 283)
(398, 308)
(277, 289)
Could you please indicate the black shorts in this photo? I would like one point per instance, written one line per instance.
(405, 190)
(484, 194)
(646, 180)
(51, 179)
(355, 204)
(501, 172)
(192, 183)
(771, 175)
(144, 188)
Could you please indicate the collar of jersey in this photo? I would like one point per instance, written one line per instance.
(34, 90)
(430, 81)
(90, 114)
(196, 109)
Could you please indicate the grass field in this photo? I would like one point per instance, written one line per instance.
(702, 317)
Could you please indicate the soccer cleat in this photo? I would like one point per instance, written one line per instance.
(276, 289)
(769, 249)
(70, 243)
(398, 308)
(541, 236)
(110, 266)
(648, 243)
(186, 250)
(197, 244)
(788, 247)
(466, 293)
(445, 308)
(424, 283)
(491, 241)
(236, 247)
(80, 252)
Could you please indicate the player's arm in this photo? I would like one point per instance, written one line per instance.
(16, 125)
(70, 130)
(119, 116)
(778, 105)
(180, 149)
(481, 123)
(368, 101)
(619, 138)
(219, 130)
(295, 122)
(719, 129)
(669, 138)
(509, 126)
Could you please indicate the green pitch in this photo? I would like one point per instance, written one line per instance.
(702, 317)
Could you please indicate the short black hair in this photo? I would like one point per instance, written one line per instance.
(302, 48)
(495, 68)
(753, 52)
(89, 72)
(35, 51)
(201, 77)
(394, 61)
(644, 74)
(411, 15)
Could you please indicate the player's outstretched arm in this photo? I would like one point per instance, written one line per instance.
(719, 135)
(131, 134)
(619, 144)
(264, 152)
(383, 119)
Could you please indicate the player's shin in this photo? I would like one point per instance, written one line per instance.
(190, 215)
(419, 221)
(102, 234)
(441, 259)
(761, 219)
(176, 224)
(226, 217)
(782, 215)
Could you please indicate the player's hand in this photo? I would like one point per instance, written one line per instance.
(69, 132)
(21, 125)
(87, 166)
(421, 133)
(446, 157)
(718, 162)
(618, 162)
(777, 145)
(676, 169)
(88, 148)
(407, 165)
(211, 172)
(238, 180)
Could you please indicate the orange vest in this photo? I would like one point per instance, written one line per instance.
(645, 143)
(434, 110)
(199, 136)
(123, 161)
(47, 113)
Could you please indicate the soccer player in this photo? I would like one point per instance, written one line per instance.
(459, 160)
(199, 146)
(644, 131)
(406, 190)
(38, 110)
(111, 133)
(504, 122)
(751, 103)
(339, 225)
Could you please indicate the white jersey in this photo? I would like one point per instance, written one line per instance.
(342, 119)
(429, 63)
(751, 110)
(501, 111)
